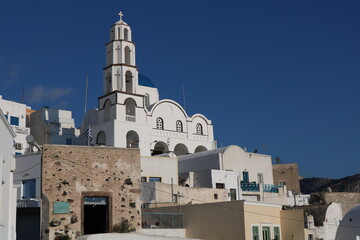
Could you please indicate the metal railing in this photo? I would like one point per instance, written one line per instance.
(161, 220)
(271, 188)
(249, 187)
(130, 118)
(21, 130)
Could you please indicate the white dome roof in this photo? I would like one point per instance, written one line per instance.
(350, 225)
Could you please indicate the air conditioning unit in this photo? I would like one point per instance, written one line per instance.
(18, 146)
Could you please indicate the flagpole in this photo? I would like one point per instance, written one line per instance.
(86, 91)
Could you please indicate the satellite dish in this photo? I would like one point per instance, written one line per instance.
(29, 138)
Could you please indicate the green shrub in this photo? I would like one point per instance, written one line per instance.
(123, 227)
(63, 237)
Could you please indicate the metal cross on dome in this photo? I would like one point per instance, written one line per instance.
(121, 15)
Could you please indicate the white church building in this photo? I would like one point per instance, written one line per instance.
(130, 113)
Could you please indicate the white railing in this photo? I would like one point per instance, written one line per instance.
(169, 133)
(21, 130)
(26, 203)
(130, 118)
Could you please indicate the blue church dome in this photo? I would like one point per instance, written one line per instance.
(145, 81)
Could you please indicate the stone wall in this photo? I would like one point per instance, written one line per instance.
(288, 173)
(348, 200)
(69, 173)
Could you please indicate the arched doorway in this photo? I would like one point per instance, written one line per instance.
(107, 105)
(101, 138)
(160, 148)
(180, 149)
(132, 139)
(200, 149)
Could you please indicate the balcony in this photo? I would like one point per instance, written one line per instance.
(250, 187)
(20, 130)
(271, 188)
(161, 220)
(28, 203)
(130, 118)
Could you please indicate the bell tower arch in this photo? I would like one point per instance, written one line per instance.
(120, 60)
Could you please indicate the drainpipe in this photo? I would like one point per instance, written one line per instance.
(261, 188)
(172, 191)
(239, 188)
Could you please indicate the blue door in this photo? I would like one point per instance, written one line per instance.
(246, 176)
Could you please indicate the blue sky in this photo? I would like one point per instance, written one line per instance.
(278, 76)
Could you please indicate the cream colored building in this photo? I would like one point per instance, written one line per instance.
(239, 220)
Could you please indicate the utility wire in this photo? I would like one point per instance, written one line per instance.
(28, 168)
(214, 203)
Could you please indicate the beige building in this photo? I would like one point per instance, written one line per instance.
(287, 174)
(239, 220)
(86, 190)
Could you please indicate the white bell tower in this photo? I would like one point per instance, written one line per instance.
(120, 73)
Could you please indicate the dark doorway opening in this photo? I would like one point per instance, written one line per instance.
(28, 223)
(96, 215)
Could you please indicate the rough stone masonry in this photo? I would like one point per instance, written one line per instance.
(70, 173)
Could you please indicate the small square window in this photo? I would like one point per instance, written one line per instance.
(14, 121)
(154, 179)
(216, 196)
(28, 188)
(220, 185)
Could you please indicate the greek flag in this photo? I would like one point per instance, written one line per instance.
(87, 134)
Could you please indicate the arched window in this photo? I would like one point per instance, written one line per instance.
(132, 139)
(159, 123)
(159, 148)
(119, 33)
(200, 149)
(179, 126)
(130, 108)
(126, 34)
(107, 113)
(146, 100)
(101, 138)
(180, 149)
(127, 55)
(129, 82)
(199, 129)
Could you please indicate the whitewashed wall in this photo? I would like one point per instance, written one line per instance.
(7, 190)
